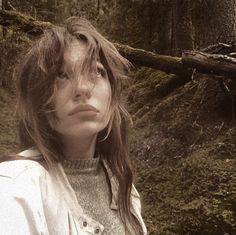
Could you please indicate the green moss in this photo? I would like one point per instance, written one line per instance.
(148, 84)
(184, 147)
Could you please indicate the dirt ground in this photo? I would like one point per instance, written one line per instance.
(184, 147)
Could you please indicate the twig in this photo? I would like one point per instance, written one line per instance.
(10, 5)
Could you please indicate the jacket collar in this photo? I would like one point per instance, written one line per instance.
(34, 154)
(114, 186)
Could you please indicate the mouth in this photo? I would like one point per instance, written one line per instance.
(83, 108)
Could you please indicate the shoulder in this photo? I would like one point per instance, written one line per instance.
(22, 168)
(22, 193)
(17, 168)
(22, 181)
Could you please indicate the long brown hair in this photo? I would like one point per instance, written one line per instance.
(36, 85)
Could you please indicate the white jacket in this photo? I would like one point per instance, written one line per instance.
(36, 201)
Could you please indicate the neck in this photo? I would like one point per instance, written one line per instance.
(79, 147)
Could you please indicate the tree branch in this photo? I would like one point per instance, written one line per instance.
(10, 6)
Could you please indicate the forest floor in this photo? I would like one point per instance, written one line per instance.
(183, 144)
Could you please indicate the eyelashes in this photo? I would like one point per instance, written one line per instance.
(63, 76)
(100, 73)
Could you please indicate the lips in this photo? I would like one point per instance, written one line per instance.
(83, 108)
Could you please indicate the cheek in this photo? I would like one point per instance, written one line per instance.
(107, 103)
(107, 96)
(106, 93)
(61, 98)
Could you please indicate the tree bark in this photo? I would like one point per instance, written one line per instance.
(214, 21)
(4, 6)
(149, 59)
(164, 29)
(210, 63)
(183, 33)
(52, 10)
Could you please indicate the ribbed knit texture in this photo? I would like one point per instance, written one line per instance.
(89, 181)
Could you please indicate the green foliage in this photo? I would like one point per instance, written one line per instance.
(152, 84)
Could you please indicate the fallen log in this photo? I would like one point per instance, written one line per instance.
(149, 59)
(23, 22)
(210, 63)
(202, 62)
(141, 57)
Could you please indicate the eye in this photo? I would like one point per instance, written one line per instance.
(101, 72)
(63, 76)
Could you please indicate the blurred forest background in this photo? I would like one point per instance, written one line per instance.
(184, 135)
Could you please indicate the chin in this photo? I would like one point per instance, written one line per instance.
(87, 129)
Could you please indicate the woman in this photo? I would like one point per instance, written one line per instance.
(75, 176)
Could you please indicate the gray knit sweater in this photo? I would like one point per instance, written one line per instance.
(90, 183)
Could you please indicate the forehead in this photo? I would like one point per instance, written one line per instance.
(78, 52)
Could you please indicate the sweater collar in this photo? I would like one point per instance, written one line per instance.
(34, 152)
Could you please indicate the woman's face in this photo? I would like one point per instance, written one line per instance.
(82, 104)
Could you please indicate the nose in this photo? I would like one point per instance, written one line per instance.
(83, 88)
